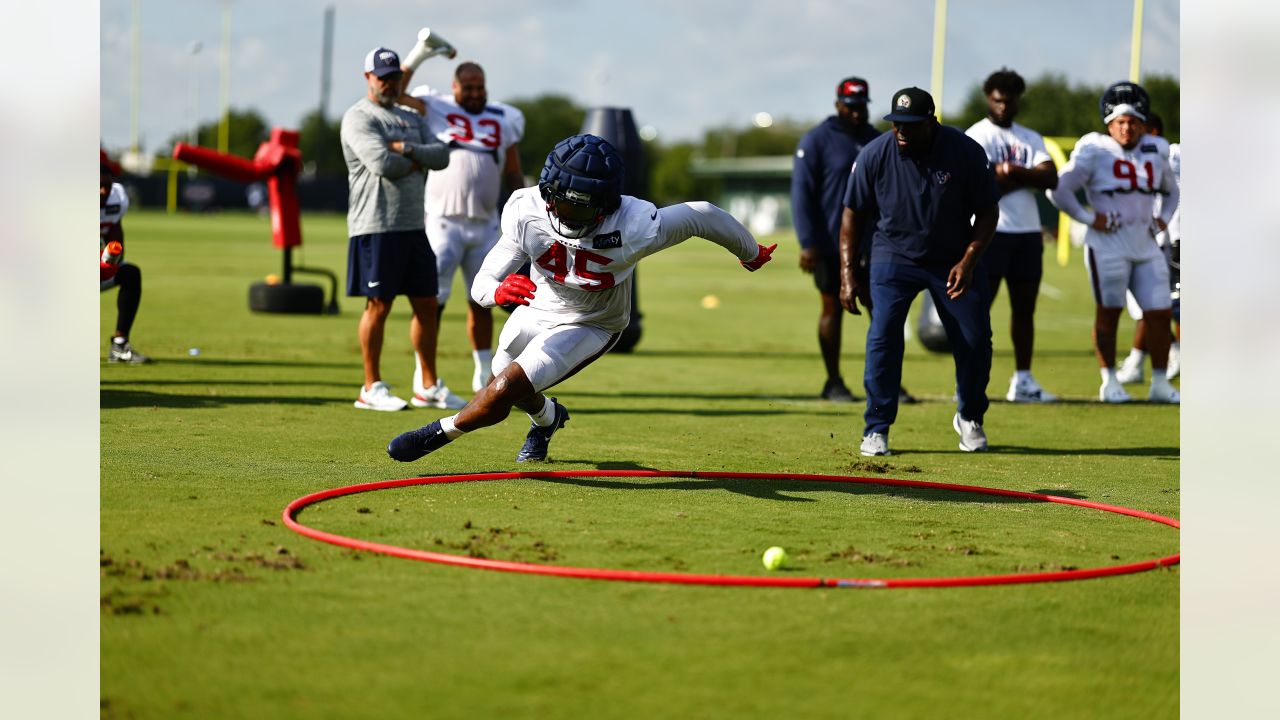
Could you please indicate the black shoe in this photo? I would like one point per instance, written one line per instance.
(409, 446)
(539, 438)
(121, 351)
(906, 398)
(835, 391)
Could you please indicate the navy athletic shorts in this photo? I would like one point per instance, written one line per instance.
(384, 265)
(1017, 257)
(826, 273)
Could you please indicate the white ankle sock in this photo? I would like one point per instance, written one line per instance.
(1158, 376)
(1108, 374)
(483, 359)
(547, 415)
(451, 430)
(1022, 374)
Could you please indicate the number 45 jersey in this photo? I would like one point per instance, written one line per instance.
(470, 185)
(588, 280)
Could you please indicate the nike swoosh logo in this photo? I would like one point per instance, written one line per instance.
(654, 216)
(375, 284)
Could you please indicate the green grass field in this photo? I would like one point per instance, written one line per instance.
(210, 607)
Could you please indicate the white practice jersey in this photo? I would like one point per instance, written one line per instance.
(469, 187)
(588, 280)
(1118, 183)
(1016, 145)
(1175, 222)
(111, 213)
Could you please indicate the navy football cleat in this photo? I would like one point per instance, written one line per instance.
(539, 438)
(409, 446)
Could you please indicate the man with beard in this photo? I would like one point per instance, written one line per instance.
(930, 202)
(388, 149)
(819, 177)
(462, 201)
(1023, 167)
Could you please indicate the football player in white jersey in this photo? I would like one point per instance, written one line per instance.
(462, 199)
(1022, 166)
(583, 238)
(1121, 173)
(1130, 369)
(114, 272)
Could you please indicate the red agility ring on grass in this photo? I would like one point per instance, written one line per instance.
(695, 579)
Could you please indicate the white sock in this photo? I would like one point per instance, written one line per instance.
(1022, 374)
(1174, 347)
(1158, 376)
(1138, 355)
(1108, 375)
(451, 430)
(547, 415)
(483, 358)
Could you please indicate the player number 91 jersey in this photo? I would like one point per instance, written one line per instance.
(1119, 181)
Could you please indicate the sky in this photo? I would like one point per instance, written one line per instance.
(681, 66)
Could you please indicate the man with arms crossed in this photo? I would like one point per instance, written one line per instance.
(387, 149)
(1021, 163)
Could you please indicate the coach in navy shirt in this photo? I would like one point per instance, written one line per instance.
(935, 202)
(819, 177)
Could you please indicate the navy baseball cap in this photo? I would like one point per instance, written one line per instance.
(853, 91)
(382, 62)
(911, 105)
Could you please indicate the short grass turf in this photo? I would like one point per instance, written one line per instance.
(210, 607)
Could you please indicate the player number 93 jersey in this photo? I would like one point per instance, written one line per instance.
(1125, 182)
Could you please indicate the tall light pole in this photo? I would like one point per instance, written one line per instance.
(224, 103)
(193, 93)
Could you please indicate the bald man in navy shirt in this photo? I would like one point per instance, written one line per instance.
(934, 200)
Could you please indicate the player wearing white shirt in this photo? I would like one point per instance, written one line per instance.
(113, 203)
(1130, 370)
(583, 239)
(462, 199)
(1016, 253)
(1121, 173)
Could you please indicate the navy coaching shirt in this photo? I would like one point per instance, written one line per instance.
(819, 177)
(925, 207)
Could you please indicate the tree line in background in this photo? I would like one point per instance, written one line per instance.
(1051, 106)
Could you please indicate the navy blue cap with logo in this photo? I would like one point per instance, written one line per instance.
(382, 62)
(911, 105)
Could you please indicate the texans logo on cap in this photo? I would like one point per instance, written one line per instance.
(853, 88)
(386, 57)
(904, 101)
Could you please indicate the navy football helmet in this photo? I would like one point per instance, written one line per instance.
(582, 183)
(1124, 98)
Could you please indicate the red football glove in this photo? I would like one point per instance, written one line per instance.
(106, 271)
(516, 289)
(763, 255)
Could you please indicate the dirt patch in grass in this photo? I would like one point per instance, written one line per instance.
(505, 543)
(854, 555)
(880, 468)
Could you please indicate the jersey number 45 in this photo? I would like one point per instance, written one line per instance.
(560, 263)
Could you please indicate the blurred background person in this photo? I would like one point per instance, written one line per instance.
(1016, 255)
(114, 272)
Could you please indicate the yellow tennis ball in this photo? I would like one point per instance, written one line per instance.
(273, 279)
(710, 302)
(774, 558)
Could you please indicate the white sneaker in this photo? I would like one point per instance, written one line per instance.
(1174, 365)
(480, 378)
(1028, 391)
(1130, 371)
(875, 444)
(437, 396)
(1162, 392)
(379, 397)
(1113, 392)
(972, 437)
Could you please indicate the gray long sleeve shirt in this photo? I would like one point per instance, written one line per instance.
(385, 189)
